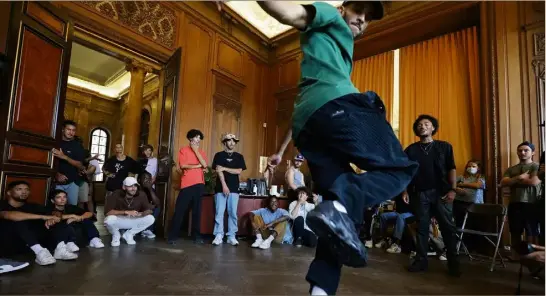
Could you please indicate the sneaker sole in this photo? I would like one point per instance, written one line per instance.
(47, 263)
(10, 268)
(350, 252)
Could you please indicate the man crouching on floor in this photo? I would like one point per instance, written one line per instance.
(270, 223)
(127, 209)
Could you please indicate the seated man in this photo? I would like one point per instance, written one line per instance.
(77, 219)
(298, 210)
(402, 211)
(271, 223)
(129, 209)
(25, 225)
(147, 182)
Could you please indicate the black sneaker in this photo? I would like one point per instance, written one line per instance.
(418, 266)
(330, 224)
(199, 241)
(298, 242)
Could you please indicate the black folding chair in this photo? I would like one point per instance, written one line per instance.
(484, 211)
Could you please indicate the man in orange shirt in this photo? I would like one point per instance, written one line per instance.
(192, 163)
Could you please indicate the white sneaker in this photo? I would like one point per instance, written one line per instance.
(443, 257)
(232, 241)
(115, 240)
(96, 243)
(128, 238)
(394, 249)
(257, 243)
(381, 244)
(412, 254)
(62, 253)
(44, 257)
(266, 244)
(368, 244)
(72, 247)
(148, 234)
(218, 240)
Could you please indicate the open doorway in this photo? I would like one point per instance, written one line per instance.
(97, 99)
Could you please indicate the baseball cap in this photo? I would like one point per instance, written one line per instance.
(378, 9)
(227, 137)
(130, 181)
(299, 157)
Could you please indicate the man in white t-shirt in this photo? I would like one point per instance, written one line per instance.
(149, 163)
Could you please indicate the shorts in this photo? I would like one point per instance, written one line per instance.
(83, 192)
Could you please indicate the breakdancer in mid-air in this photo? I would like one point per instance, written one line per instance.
(335, 125)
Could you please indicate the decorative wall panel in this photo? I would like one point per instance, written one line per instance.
(148, 18)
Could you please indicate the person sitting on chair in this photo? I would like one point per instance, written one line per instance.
(401, 213)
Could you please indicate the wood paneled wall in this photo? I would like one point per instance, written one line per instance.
(5, 9)
(91, 111)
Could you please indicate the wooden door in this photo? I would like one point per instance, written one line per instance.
(171, 73)
(31, 105)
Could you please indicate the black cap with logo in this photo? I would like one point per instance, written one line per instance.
(377, 12)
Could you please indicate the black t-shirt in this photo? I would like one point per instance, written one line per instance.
(29, 208)
(75, 151)
(68, 210)
(434, 167)
(232, 160)
(121, 170)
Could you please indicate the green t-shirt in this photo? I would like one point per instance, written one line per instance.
(327, 45)
(523, 193)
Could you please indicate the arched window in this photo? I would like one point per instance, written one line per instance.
(99, 145)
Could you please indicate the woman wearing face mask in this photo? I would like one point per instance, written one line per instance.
(470, 188)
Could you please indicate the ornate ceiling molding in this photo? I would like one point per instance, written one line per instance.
(151, 19)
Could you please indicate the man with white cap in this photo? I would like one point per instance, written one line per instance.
(294, 177)
(229, 165)
(127, 209)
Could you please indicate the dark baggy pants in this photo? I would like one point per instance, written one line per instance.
(428, 204)
(351, 129)
(308, 238)
(18, 236)
(192, 194)
(87, 228)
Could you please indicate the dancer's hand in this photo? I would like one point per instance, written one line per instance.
(274, 160)
(405, 197)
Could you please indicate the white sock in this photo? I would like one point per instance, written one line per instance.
(339, 207)
(318, 291)
(270, 238)
(259, 236)
(61, 245)
(36, 248)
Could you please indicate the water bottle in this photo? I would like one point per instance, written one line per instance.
(255, 189)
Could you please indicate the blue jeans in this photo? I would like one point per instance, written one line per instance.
(220, 201)
(351, 129)
(72, 191)
(400, 223)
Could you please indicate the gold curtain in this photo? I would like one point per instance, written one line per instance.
(440, 77)
(376, 73)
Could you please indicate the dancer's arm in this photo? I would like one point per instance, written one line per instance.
(275, 159)
(291, 14)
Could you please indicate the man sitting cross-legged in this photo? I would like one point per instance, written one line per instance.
(401, 213)
(25, 225)
(270, 223)
(77, 219)
(127, 209)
